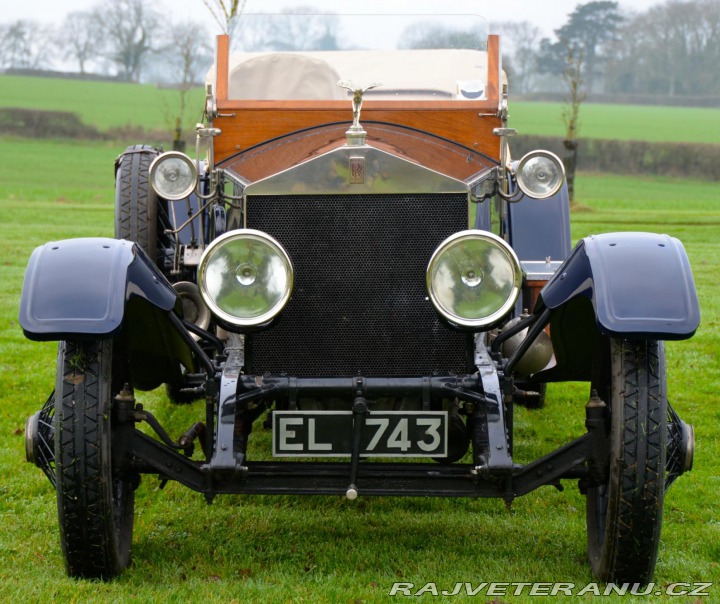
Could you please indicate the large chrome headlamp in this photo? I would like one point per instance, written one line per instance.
(173, 175)
(474, 279)
(245, 278)
(540, 174)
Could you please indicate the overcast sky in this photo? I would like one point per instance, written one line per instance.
(547, 15)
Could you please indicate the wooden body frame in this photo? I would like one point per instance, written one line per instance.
(245, 124)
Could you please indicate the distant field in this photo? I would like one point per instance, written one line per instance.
(109, 104)
(623, 122)
(100, 104)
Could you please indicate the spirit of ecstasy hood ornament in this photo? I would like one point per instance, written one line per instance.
(356, 134)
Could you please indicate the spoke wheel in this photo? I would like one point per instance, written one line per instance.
(624, 516)
(95, 504)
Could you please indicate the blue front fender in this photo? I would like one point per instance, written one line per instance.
(640, 285)
(80, 287)
(620, 285)
(106, 288)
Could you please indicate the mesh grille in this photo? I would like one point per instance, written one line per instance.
(359, 303)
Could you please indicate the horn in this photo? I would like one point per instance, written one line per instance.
(194, 309)
(538, 355)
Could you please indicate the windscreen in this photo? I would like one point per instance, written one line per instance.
(434, 49)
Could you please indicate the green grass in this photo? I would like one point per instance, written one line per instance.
(304, 549)
(623, 122)
(100, 104)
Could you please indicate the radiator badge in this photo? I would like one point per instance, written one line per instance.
(357, 170)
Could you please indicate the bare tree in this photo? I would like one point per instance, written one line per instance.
(24, 44)
(431, 35)
(671, 49)
(187, 55)
(80, 39)
(573, 76)
(295, 29)
(226, 13)
(129, 28)
(521, 44)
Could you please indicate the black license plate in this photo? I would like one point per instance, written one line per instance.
(385, 434)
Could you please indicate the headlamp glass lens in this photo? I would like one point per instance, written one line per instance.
(246, 277)
(540, 174)
(173, 176)
(473, 279)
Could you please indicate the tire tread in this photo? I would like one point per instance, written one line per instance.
(627, 551)
(136, 209)
(84, 489)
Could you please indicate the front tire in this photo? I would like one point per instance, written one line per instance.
(136, 204)
(95, 504)
(624, 516)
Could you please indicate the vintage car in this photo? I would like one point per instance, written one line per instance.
(354, 260)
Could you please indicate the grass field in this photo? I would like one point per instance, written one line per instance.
(294, 549)
(622, 122)
(101, 104)
(108, 104)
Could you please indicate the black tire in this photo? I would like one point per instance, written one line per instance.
(136, 204)
(141, 217)
(624, 516)
(95, 507)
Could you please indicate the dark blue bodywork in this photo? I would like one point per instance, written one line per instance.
(80, 287)
(179, 211)
(539, 229)
(95, 288)
(619, 285)
(640, 285)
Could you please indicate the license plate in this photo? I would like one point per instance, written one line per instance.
(385, 434)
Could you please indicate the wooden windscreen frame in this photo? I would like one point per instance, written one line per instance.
(222, 67)
(493, 90)
(494, 69)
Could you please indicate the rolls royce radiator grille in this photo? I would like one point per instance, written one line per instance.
(359, 303)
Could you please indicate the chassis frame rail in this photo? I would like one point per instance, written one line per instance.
(377, 479)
